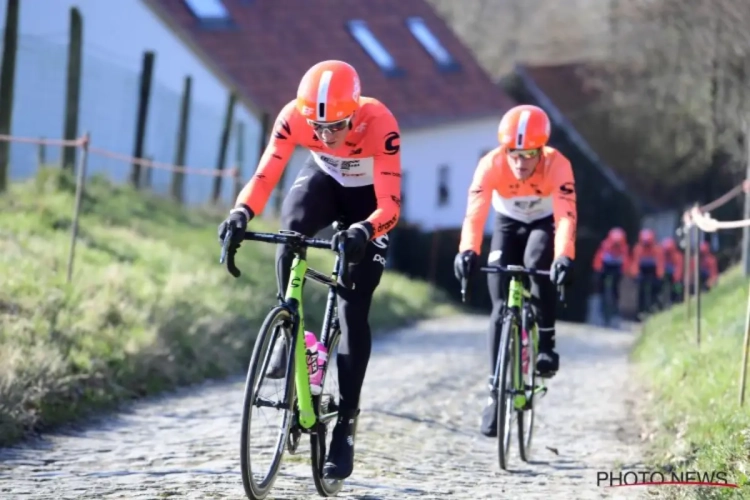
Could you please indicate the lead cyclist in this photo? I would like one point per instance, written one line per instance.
(532, 188)
(353, 174)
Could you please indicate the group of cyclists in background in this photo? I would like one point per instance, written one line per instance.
(657, 268)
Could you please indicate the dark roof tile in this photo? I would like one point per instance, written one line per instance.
(265, 64)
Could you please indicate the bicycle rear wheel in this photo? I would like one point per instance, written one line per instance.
(528, 380)
(504, 383)
(326, 408)
(277, 327)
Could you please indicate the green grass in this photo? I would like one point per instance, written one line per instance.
(693, 404)
(149, 307)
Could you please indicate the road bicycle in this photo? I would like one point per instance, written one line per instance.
(514, 382)
(303, 412)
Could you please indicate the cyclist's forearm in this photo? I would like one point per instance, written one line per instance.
(387, 186)
(384, 218)
(257, 191)
(565, 238)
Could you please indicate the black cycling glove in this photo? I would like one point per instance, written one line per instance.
(237, 220)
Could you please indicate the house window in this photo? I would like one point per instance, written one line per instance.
(373, 47)
(443, 190)
(209, 12)
(431, 44)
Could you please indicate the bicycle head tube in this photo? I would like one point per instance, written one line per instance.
(515, 293)
(296, 278)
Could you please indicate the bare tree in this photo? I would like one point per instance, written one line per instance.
(676, 84)
(503, 32)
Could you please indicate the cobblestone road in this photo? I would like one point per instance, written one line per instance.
(417, 437)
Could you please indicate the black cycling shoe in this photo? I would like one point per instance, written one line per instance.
(489, 419)
(340, 460)
(547, 363)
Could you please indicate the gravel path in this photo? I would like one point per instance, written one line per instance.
(417, 437)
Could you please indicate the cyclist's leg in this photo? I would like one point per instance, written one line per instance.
(539, 255)
(506, 247)
(310, 205)
(356, 338)
(616, 273)
(646, 287)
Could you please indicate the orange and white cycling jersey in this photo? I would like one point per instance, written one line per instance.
(550, 190)
(370, 155)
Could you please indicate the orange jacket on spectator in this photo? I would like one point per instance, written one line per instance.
(647, 251)
(613, 250)
(673, 259)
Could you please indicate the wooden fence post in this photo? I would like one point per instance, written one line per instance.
(80, 183)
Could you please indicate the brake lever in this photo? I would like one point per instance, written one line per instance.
(227, 254)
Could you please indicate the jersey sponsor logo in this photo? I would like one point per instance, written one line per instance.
(391, 174)
(569, 188)
(387, 225)
(522, 208)
(391, 145)
(527, 205)
(350, 172)
(283, 130)
(381, 241)
(329, 161)
(349, 164)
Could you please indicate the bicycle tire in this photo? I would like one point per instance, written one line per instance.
(527, 415)
(258, 490)
(325, 487)
(505, 410)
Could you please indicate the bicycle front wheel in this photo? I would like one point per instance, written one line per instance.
(326, 408)
(276, 329)
(528, 382)
(504, 377)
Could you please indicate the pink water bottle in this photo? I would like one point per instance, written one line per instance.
(317, 355)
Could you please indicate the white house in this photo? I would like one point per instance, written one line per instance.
(115, 35)
(447, 106)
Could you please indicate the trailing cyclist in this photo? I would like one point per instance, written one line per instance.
(647, 268)
(354, 174)
(532, 188)
(674, 263)
(611, 260)
(707, 266)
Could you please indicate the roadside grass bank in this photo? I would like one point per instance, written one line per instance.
(692, 410)
(149, 307)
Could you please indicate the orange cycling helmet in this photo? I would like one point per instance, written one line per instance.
(617, 235)
(524, 127)
(647, 236)
(329, 92)
(668, 243)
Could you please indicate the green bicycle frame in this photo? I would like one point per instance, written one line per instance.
(517, 294)
(301, 378)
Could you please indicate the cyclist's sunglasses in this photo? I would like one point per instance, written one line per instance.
(524, 153)
(330, 126)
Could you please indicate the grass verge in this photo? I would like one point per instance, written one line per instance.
(692, 407)
(149, 308)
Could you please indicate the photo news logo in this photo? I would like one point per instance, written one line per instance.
(613, 479)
